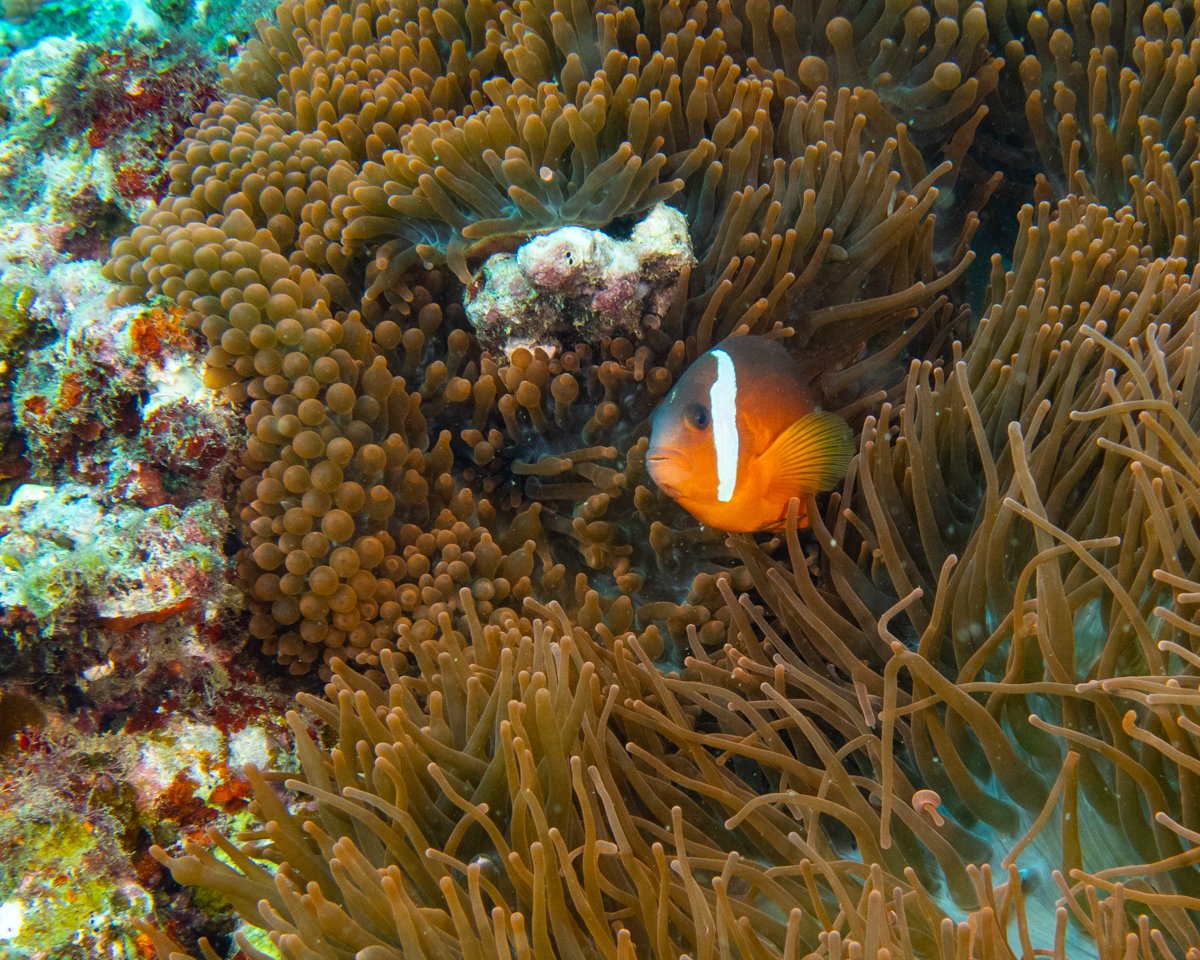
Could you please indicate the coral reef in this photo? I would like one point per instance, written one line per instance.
(80, 805)
(114, 532)
(114, 666)
(116, 400)
(958, 720)
(127, 705)
(43, 184)
(217, 27)
(135, 101)
(21, 714)
(87, 126)
(65, 556)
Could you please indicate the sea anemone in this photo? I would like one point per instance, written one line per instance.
(308, 252)
(957, 720)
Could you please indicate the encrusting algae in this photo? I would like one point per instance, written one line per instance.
(561, 719)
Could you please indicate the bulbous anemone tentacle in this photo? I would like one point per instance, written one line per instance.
(575, 724)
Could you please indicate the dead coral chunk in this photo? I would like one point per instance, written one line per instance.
(576, 284)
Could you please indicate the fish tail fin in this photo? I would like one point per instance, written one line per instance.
(811, 455)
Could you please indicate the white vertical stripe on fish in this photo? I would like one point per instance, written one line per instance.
(723, 402)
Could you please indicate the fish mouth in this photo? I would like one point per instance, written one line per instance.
(667, 469)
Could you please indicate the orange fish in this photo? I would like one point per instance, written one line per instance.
(738, 436)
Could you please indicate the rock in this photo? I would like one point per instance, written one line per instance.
(577, 285)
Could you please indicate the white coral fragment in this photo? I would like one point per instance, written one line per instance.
(577, 284)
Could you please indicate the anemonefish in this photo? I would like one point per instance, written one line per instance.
(738, 436)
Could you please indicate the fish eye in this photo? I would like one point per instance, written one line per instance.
(697, 416)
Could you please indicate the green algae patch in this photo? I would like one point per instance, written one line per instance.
(57, 896)
(65, 554)
(80, 812)
(16, 323)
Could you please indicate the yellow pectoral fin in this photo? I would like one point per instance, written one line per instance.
(810, 456)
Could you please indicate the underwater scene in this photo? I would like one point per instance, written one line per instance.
(599, 480)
